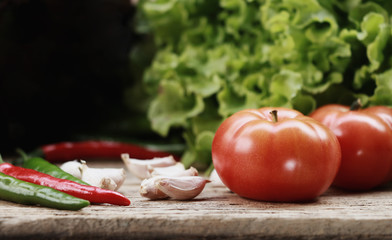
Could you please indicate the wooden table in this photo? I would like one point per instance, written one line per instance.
(215, 214)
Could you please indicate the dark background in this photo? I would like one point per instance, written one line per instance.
(64, 65)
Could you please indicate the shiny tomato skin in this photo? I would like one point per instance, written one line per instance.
(294, 159)
(365, 136)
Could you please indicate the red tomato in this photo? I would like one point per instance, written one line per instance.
(292, 159)
(365, 137)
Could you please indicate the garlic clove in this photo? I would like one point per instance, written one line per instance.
(73, 168)
(107, 178)
(176, 167)
(108, 183)
(190, 172)
(216, 181)
(177, 170)
(149, 190)
(141, 168)
(117, 175)
(166, 171)
(181, 188)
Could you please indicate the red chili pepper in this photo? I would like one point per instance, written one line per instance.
(90, 193)
(65, 151)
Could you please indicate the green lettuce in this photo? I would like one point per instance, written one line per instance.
(216, 57)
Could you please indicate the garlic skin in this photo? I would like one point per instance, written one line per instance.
(181, 188)
(141, 168)
(149, 190)
(107, 178)
(216, 180)
(177, 170)
(73, 168)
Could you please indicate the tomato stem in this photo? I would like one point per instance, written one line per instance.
(357, 104)
(274, 114)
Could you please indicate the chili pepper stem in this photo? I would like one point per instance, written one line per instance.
(1, 159)
(274, 114)
(22, 153)
(20, 160)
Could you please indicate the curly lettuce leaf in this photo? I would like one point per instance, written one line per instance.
(173, 107)
(383, 92)
(198, 153)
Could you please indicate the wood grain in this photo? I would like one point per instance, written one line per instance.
(215, 214)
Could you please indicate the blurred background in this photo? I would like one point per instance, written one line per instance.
(64, 71)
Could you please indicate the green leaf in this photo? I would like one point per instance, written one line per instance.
(165, 29)
(375, 49)
(357, 14)
(230, 101)
(209, 119)
(304, 103)
(375, 34)
(204, 86)
(383, 92)
(173, 107)
(286, 83)
(198, 153)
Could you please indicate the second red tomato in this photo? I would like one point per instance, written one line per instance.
(365, 136)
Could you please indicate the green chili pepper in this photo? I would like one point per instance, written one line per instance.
(18, 191)
(43, 166)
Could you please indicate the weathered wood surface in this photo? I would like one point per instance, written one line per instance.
(215, 214)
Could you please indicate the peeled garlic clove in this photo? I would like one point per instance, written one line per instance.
(107, 178)
(141, 168)
(181, 188)
(173, 168)
(174, 171)
(73, 168)
(189, 172)
(149, 190)
(166, 171)
(216, 180)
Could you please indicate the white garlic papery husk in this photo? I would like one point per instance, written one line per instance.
(141, 167)
(107, 178)
(149, 190)
(73, 168)
(216, 181)
(181, 188)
